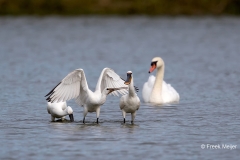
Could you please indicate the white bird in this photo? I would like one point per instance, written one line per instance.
(129, 103)
(74, 85)
(156, 90)
(60, 110)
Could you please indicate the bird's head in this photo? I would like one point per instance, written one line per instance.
(157, 62)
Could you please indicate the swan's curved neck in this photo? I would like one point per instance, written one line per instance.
(131, 89)
(65, 110)
(98, 86)
(156, 95)
(103, 98)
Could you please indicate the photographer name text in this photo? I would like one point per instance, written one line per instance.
(219, 146)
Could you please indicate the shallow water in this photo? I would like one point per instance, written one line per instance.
(202, 63)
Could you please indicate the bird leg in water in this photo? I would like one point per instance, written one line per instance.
(84, 120)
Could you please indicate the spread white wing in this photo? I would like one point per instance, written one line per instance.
(74, 85)
(110, 79)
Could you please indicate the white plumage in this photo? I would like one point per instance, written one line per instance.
(156, 90)
(74, 86)
(59, 110)
(129, 103)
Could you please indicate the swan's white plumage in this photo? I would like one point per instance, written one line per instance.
(167, 94)
(75, 86)
(130, 102)
(59, 110)
(147, 88)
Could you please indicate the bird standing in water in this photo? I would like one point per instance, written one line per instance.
(130, 102)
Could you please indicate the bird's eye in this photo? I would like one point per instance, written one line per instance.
(154, 63)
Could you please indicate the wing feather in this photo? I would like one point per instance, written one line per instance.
(110, 79)
(59, 93)
(115, 93)
(69, 87)
(68, 94)
(74, 90)
(121, 91)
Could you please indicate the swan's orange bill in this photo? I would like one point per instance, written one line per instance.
(152, 68)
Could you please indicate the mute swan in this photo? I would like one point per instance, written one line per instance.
(74, 85)
(129, 103)
(60, 110)
(156, 90)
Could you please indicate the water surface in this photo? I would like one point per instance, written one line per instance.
(201, 62)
